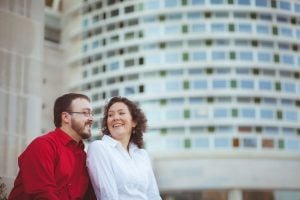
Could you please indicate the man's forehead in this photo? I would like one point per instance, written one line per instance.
(81, 102)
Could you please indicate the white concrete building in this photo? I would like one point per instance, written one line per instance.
(218, 81)
(21, 61)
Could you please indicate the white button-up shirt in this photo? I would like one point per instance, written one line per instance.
(118, 175)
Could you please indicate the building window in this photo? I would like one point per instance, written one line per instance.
(129, 9)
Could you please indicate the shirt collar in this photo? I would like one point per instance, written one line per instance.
(66, 139)
(114, 143)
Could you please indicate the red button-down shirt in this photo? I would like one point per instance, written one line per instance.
(52, 167)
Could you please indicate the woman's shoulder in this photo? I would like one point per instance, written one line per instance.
(96, 145)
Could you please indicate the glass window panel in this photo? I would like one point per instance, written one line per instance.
(287, 32)
(129, 91)
(222, 142)
(199, 113)
(149, 19)
(218, 27)
(174, 143)
(268, 45)
(152, 5)
(198, 2)
(248, 113)
(266, 114)
(270, 130)
(176, 101)
(153, 88)
(292, 144)
(243, 2)
(297, 7)
(173, 114)
(269, 101)
(171, 3)
(263, 29)
(152, 32)
(290, 116)
(289, 87)
(282, 18)
(222, 71)
(196, 100)
(264, 57)
(268, 143)
(198, 28)
(288, 59)
(245, 28)
(266, 17)
(218, 55)
(201, 142)
(174, 17)
(261, 3)
(243, 71)
(153, 59)
(287, 102)
(247, 84)
(113, 66)
(265, 85)
(216, 2)
(298, 33)
(250, 142)
(176, 72)
(247, 56)
(220, 113)
(199, 56)
(172, 57)
(225, 129)
(173, 86)
(284, 5)
(172, 29)
(199, 84)
(195, 72)
(195, 15)
(218, 84)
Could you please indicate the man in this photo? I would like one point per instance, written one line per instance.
(53, 166)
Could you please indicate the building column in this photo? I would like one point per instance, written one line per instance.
(235, 194)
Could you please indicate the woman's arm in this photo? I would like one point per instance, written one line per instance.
(101, 172)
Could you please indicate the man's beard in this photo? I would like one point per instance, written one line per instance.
(79, 129)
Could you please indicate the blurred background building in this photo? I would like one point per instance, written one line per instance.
(21, 64)
(217, 79)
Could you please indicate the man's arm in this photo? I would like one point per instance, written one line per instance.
(37, 165)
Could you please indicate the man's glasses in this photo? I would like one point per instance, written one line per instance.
(86, 114)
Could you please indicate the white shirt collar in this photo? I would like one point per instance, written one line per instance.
(114, 143)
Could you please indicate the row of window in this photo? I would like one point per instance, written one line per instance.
(202, 85)
(195, 28)
(213, 143)
(221, 15)
(286, 60)
(280, 4)
(157, 4)
(200, 101)
(222, 113)
(225, 130)
(190, 16)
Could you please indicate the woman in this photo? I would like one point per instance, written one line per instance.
(119, 167)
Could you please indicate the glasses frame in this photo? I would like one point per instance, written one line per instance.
(84, 113)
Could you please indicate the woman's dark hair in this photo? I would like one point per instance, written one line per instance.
(137, 116)
(63, 104)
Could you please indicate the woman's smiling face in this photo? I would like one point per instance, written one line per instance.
(119, 121)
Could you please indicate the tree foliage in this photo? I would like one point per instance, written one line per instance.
(2, 190)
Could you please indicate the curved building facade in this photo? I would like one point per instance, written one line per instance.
(219, 81)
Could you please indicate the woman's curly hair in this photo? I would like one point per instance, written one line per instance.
(137, 116)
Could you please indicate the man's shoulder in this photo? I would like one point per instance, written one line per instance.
(46, 138)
